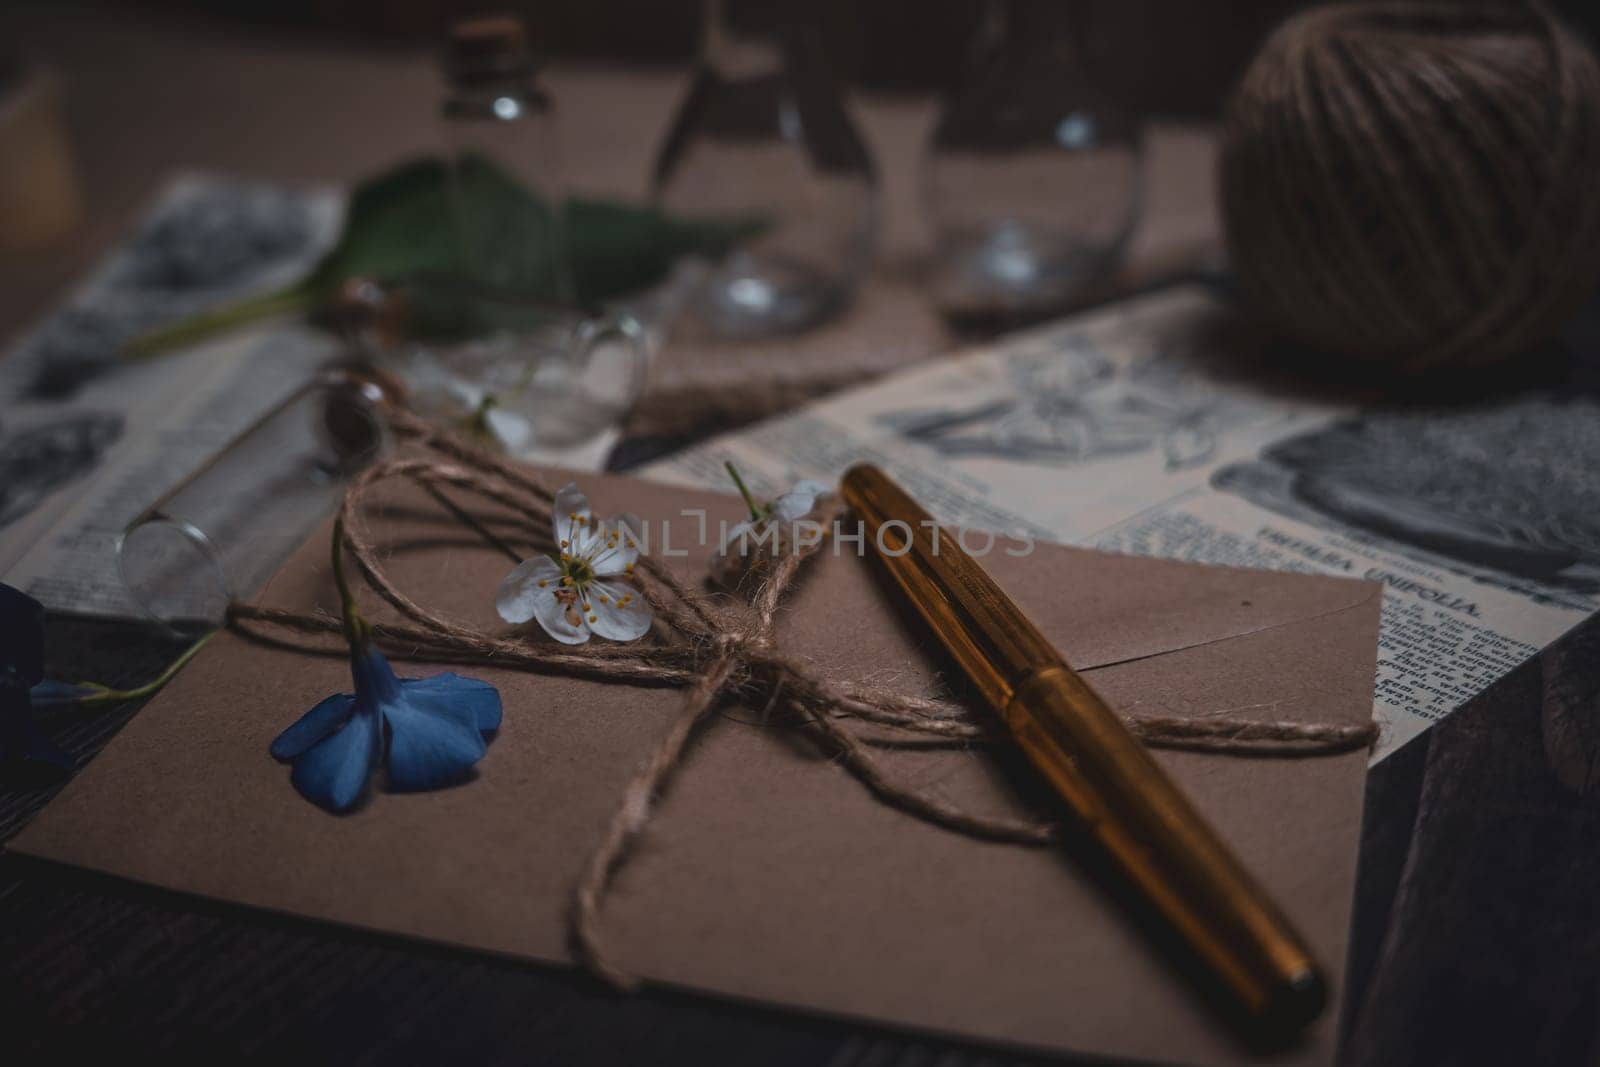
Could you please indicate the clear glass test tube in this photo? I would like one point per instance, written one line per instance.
(225, 529)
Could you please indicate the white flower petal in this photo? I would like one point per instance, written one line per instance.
(559, 610)
(618, 611)
(798, 501)
(468, 395)
(520, 591)
(572, 515)
(521, 597)
(615, 549)
(512, 429)
(562, 618)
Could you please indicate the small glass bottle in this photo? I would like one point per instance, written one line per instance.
(219, 534)
(1033, 176)
(764, 135)
(506, 190)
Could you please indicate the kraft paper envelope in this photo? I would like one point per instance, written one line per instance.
(770, 874)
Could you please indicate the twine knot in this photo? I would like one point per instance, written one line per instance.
(712, 652)
(743, 645)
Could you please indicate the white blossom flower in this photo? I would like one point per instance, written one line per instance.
(587, 587)
(452, 395)
(789, 508)
(769, 528)
(798, 502)
(494, 425)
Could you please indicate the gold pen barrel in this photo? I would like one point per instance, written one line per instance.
(1120, 796)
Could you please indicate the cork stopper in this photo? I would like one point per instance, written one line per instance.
(486, 48)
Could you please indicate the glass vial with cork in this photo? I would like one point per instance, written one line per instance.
(764, 135)
(1033, 175)
(505, 182)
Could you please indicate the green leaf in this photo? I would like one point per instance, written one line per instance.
(400, 227)
(615, 249)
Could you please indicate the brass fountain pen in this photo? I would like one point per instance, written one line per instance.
(1118, 794)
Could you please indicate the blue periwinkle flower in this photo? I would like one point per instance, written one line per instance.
(431, 730)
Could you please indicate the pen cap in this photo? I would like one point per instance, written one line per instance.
(993, 642)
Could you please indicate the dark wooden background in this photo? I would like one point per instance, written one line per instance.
(1167, 57)
(1172, 56)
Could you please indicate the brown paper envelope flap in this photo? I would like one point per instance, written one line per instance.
(1108, 608)
(897, 920)
(769, 874)
(1099, 609)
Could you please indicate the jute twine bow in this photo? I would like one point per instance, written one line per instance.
(716, 650)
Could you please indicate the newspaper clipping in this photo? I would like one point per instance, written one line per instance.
(87, 440)
(1121, 432)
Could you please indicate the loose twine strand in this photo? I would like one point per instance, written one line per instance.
(715, 652)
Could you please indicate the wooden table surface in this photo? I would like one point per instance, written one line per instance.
(1476, 931)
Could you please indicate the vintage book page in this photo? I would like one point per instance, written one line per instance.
(88, 441)
(1132, 430)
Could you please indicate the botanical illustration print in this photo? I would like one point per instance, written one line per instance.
(1512, 489)
(37, 461)
(1069, 403)
(210, 242)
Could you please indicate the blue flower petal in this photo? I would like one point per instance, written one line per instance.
(375, 679)
(334, 772)
(432, 742)
(314, 725)
(433, 730)
(481, 697)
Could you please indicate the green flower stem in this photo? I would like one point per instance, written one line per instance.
(356, 627)
(207, 324)
(106, 696)
(477, 423)
(757, 512)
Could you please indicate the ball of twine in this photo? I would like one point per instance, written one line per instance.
(1415, 184)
